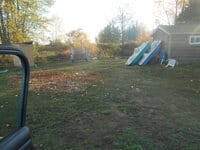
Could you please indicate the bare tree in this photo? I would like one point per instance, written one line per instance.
(168, 10)
(56, 29)
(123, 19)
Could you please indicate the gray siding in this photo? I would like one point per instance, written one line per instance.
(181, 50)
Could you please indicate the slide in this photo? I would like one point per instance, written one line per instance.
(138, 53)
(155, 47)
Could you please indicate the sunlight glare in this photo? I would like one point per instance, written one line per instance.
(92, 15)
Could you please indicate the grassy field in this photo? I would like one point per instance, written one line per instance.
(105, 105)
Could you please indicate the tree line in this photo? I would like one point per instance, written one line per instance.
(22, 20)
(124, 34)
(121, 35)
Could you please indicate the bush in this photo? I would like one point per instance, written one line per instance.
(128, 48)
(108, 49)
(6, 60)
(112, 49)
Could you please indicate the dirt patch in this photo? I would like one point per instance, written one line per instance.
(62, 81)
(67, 82)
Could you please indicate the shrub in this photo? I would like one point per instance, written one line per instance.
(6, 60)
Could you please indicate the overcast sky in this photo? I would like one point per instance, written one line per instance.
(93, 15)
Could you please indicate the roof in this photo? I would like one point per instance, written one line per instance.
(180, 29)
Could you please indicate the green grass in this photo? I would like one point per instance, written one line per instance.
(9, 102)
(131, 108)
(129, 140)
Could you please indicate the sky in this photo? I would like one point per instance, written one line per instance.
(93, 15)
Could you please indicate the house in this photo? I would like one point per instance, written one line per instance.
(181, 42)
(28, 50)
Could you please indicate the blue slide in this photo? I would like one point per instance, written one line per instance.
(155, 47)
(138, 53)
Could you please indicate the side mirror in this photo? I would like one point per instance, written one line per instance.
(19, 139)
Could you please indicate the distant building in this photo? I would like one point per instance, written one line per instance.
(28, 50)
(79, 54)
(181, 42)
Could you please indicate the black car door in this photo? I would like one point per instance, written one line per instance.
(20, 138)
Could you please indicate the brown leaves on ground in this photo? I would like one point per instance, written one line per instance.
(67, 82)
(61, 81)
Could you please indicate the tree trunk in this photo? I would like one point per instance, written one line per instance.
(3, 33)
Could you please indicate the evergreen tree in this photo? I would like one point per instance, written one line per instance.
(110, 34)
(131, 33)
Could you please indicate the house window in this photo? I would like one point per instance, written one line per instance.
(194, 40)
